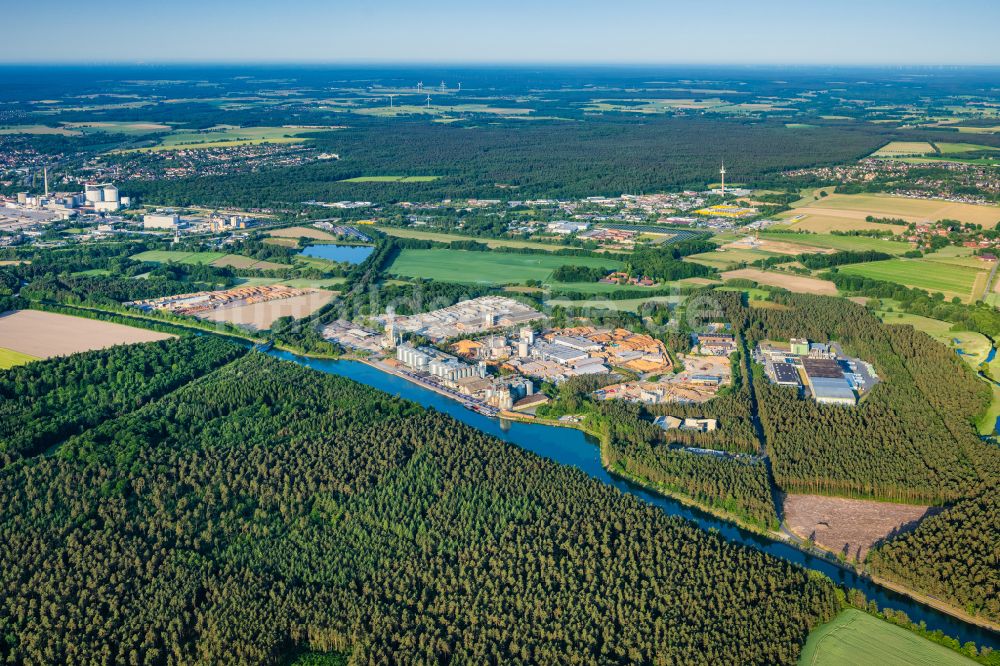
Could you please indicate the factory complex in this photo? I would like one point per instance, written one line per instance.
(817, 369)
(464, 318)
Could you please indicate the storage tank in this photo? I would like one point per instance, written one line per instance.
(110, 193)
(93, 193)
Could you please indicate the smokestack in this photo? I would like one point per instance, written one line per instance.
(45, 171)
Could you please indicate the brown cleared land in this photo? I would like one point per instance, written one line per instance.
(260, 316)
(777, 247)
(796, 283)
(820, 221)
(47, 334)
(300, 232)
(911, 210)
(848, 526)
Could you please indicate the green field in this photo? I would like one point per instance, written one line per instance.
(391, 179)
(957, 148)
(840, 242)
(9, 358)
(469, 267)
(854, 637)
(226, 136)
(949, 279)
(451, 238)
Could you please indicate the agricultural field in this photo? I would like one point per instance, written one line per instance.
(854, 637)
(958, 148)
(839, 242)
(46, 334)
(39, 129)
(228, 136)
(118, 127)
(858, 206)
(847, 526)
(796, 283)
(773, 247)
(391, 179)
(463, 266)
(217, 259)
(301, 232)
(818, 221)
(403, 232)
(728, 256)
(9, 358)
(966, 282)
(904, 149)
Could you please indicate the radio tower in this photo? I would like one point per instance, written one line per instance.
(722, 172)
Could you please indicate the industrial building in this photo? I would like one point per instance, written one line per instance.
(103, 197)
(436, 363)
(161, 221)
(827, 383)
(786, 374)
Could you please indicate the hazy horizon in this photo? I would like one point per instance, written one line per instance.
(561, 32)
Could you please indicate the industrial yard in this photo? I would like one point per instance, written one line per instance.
(255, 307)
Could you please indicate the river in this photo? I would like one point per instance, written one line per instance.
(573, 447)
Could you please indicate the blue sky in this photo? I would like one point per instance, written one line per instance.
(509, 31)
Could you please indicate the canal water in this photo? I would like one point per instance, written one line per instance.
(351, 254)
(577, 449)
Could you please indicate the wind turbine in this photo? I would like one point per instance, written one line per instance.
(420, 86)
(428, 101)
(443, 87)
(390, 100)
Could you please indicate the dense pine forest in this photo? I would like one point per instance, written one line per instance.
(538, 159)
(265, 509)
(42, 404)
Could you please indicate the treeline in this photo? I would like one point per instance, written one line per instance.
(267, 509)
(579, 274)
(45, 402)
(108, 289)
(661, 264)
(820, 261)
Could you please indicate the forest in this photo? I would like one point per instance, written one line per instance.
(266, 509)
(43, 403)
(539, 159)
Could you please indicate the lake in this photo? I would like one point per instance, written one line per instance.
(351, 254)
